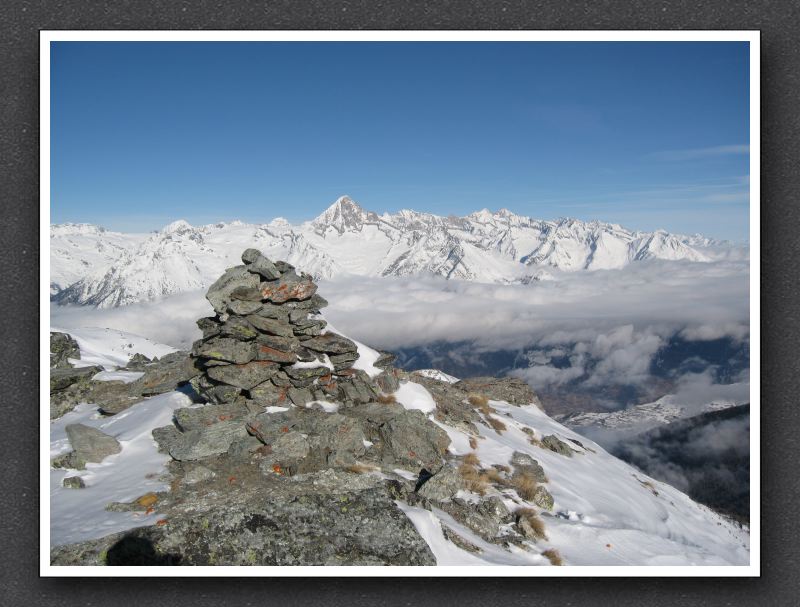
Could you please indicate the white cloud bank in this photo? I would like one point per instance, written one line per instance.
(705, 301)
(613, 321)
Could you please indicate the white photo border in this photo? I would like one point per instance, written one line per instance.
(753, 37)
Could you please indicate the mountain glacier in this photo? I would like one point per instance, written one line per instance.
(92, 266)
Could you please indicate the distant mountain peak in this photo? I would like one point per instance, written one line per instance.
(344, 215)
(180, 225)
(486, 246)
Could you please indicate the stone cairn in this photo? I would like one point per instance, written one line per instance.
(267, 346)
(281, 389)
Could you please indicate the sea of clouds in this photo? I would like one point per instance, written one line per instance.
(608, 324)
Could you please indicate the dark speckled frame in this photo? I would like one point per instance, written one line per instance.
(20, 22)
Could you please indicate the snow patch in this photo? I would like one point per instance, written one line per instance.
(79, 514)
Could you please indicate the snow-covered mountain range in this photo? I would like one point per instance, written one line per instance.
(93, 266)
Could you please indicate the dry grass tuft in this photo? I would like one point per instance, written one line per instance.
(473, 479)
(526, 486)
(386, 399)
(477, 400)
(471, 459)
(531, 518)
(495, 477)
(480, 402)
(359, 468)
(552, 555)
(473, 442)
(495, 423)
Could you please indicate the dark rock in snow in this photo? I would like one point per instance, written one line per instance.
(557, 445)
(62, 348)
(64, 377)
(524, 464)
(73, 482)
(442, 486)
(88, 445)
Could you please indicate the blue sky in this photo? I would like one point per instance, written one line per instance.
(649, 135)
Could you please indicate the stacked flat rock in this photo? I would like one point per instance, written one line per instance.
(267, 346)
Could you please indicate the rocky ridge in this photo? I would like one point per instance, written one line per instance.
(298, 452)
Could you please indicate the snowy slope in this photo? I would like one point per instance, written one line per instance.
(605, 512)
(640, 418)
(77, 250)
(498, 247)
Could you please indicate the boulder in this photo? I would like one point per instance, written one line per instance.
(166, 374)
(442, 486)
(271, 326)
(542, 498)
(73, 482)
(510, 389)
(323, 518)
(411, 440)
(137, 362)
(343, 361)
(289, 286)
(331, 343)
(243, 308)
(226, 349)
(89, 445)
(244, 376)
(209, 325)
(62, 348)
(219, 293)
(309, 328)
(64, 377)
(269, 395)
(257, 263)
(524, 464)
(197, 418)
(202, 442)
(556, 445)
(238, 328)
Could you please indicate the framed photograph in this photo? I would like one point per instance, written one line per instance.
(400, 303)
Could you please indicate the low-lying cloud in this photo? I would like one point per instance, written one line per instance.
(603, 326)
(612, 308)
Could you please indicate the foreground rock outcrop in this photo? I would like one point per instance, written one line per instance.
(298, 452)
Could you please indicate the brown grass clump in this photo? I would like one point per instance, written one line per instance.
(386, 399)
(494, 476)
(480, 402)
(477, 400)
(359, 468)
(495, 423)
(526, 486)
(473, 442)
(552, 555)
(146, 500)
(473, 479)
(471, 459)
(529, 516)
